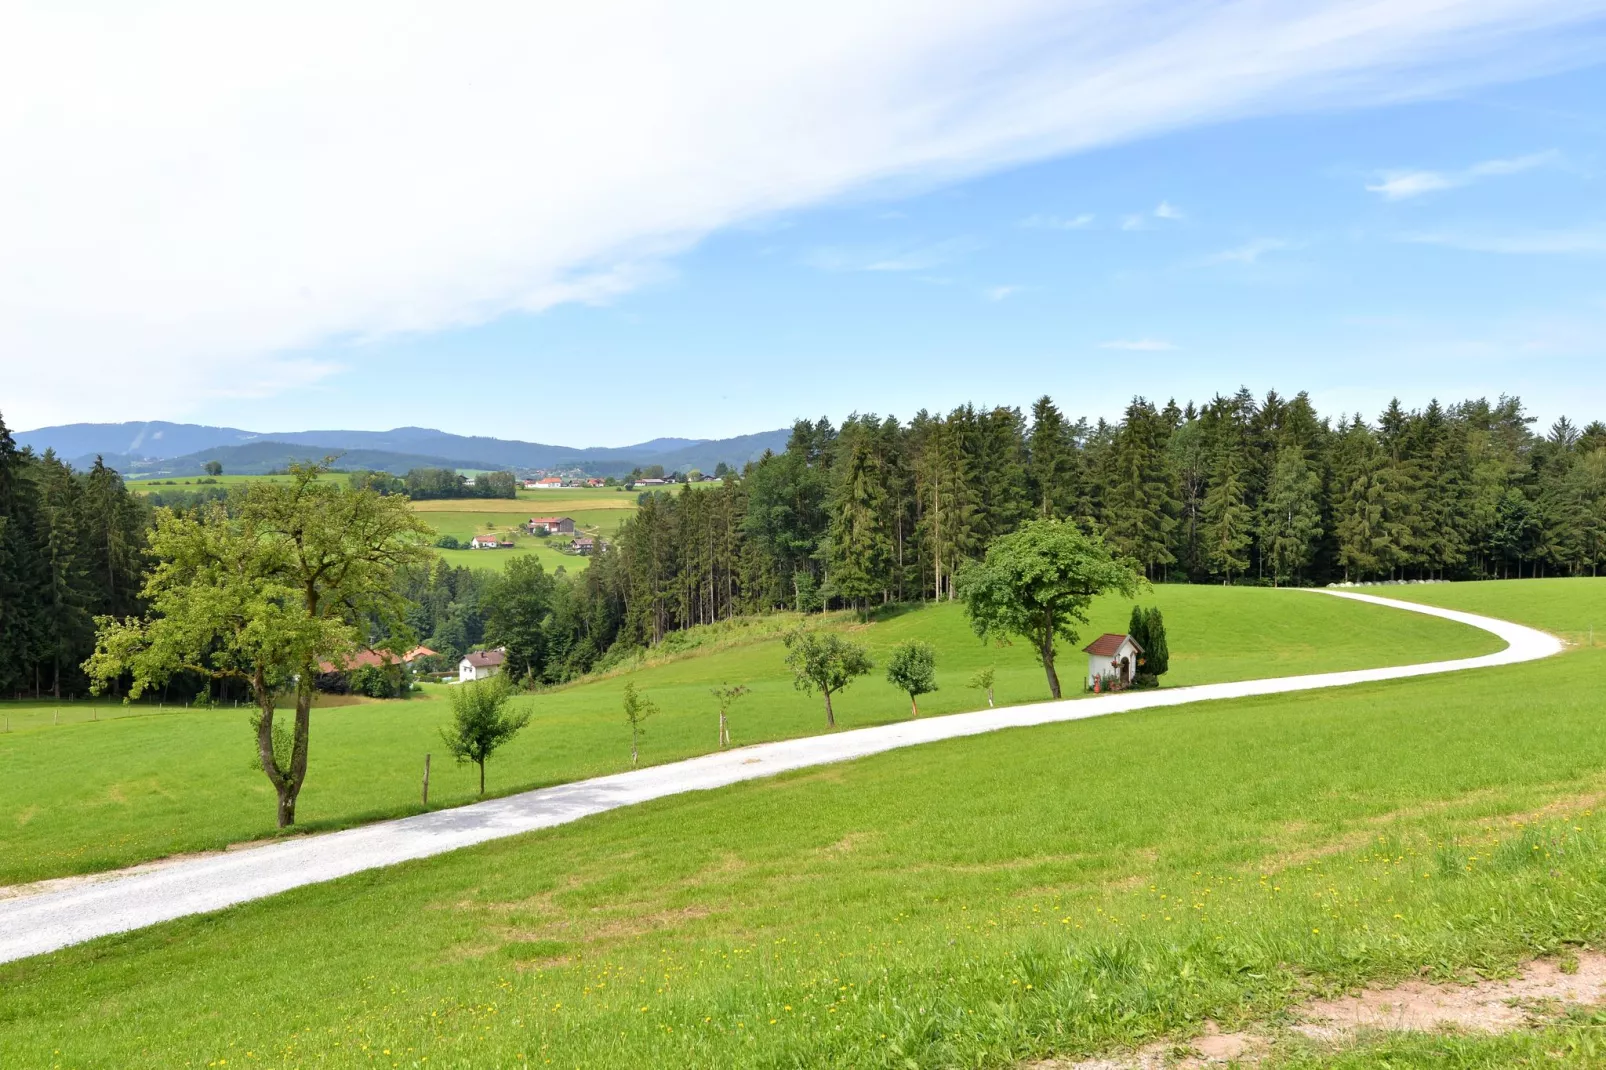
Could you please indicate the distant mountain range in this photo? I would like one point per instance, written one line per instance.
(158, 448)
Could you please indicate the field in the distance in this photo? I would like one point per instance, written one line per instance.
(83, 797)
(979, 902)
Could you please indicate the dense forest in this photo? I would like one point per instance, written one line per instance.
(71, 548)
(1239, 490)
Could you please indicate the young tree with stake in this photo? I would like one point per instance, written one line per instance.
(912, 669)
(1037, 583)
(482, 721)
(638, 708)
(727, 694)
(826, 662)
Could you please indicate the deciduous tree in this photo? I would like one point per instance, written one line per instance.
(285, 577)
(1037, 584)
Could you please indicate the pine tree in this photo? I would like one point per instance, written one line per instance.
(1290, 516)
(1139, 512)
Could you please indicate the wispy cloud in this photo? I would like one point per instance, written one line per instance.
(1056, 222)
(1402, 185)
(1140, 220)
(1139, 345)
(1249, 252)
(909, 258)
(998, 293)
(1587, 239)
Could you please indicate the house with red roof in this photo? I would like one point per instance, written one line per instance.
(480, 664)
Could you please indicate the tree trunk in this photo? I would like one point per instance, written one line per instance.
(830, 718)
(482, 778)
(1047, 651)
(914, 707)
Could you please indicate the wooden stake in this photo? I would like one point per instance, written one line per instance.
(426, 780)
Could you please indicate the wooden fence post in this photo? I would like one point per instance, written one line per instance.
(426, 780)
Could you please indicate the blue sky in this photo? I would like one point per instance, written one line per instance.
(1416, 233)
(1278, 262)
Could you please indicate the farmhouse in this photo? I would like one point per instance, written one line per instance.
(1112, 655)
(549, 483)
(583, 545)
(480, 664)
(484, 542)
(419, 652)
(551, 525)
(358, 660)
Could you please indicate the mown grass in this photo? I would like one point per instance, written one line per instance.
(91, 796)
(1574, 609)
(1059, 890)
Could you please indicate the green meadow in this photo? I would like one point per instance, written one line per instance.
(1065, 890)
(85, 795)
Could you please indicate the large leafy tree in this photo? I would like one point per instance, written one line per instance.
(263, 589)
(1037, 583)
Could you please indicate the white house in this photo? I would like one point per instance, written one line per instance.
(480, 664)
(484, 542)
(1112, 655)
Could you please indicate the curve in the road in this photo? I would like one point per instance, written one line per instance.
(34, 924)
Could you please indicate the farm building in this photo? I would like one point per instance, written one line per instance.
(484, 542)
(419, 652)
(551, 525)
(480, 664)
(1112, 655)
(583, 545)
(358, 660)
(549, 483)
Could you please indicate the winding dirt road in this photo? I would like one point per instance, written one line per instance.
(58, 914)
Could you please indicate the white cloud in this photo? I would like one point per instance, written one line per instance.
(1055, 222)
(1167, 210)
(1139, 345)
(1249, 252)
(1576, 240)
(199, 195)
(998, 293)
(1132, 222)
(1401, 185)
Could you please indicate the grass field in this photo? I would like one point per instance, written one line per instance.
(83, 797)
(597, 511)
(1058, 890)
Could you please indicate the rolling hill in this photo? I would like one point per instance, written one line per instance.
(160, 448)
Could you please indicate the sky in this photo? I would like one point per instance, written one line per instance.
(603, 225)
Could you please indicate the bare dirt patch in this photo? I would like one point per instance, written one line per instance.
(1486, 1007)
(1541, 991)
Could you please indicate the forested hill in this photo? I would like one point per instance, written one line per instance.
(160, 448)
(1239, 490)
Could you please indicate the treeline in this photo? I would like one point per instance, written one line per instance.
(71, 548)
(1239, 490)
(426, 483)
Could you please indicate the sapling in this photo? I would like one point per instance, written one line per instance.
(983, 681)
(638, 708)
(726, 694)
